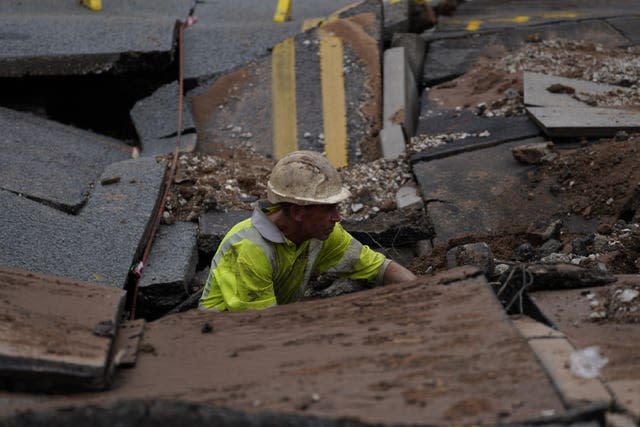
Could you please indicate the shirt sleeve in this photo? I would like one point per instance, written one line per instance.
(342, 254)
(244, 278)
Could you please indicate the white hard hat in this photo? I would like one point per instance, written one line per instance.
(305, 178)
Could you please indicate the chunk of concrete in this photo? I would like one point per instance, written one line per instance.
(407, 196)
(51, 339)
(51, 162)
(533, 153)
(541, 90)
(476, 254)
(399, 91)
(584, 121)
(156, 116)
(169, 269)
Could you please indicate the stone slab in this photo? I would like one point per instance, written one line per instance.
(400, 95)
(554, 354)
(230, 34)
(169, 269)
(51, 162)
(584, 121)
(478, 192)
(45, 38)
(50, 337)
(156, 116)
(450, 55)
(536, 91)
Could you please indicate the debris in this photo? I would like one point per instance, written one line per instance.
(534, 153)
(586, 363)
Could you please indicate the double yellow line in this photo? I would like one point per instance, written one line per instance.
(284, 106)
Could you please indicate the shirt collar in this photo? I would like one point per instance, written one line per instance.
(265, 227)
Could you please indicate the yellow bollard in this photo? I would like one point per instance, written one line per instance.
(283, 11)
(95, 5)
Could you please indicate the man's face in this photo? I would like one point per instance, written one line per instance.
(318, 220)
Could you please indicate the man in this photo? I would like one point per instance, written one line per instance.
(268, 259)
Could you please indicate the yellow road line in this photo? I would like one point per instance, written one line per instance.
(334, 113)
(560, 15)
(283, 98)
(474, 25)
(283, 11)
(311, 23)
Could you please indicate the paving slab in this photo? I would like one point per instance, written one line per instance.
(575, 122)
(537, 93)
(62, 38)
(450, 56)
(431, 360)
(479, 193)
(227, 35)
(468, 131)
(157, 115)
(169, 269)
(400, 94)
(51, 337)
(51, 162)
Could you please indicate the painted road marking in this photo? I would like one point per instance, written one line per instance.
(475, 24)
(283, 98)
(283, 11)
(311, 23)
(334, 113)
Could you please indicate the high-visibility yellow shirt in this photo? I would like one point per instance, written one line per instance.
(256, 266)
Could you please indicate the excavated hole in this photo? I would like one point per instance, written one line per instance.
(98, 103)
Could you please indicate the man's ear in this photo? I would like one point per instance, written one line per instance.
(296, 212)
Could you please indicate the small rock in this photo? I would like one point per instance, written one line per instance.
(523, 253)
(605, 229)
(532, 154)
(206, 328)
(628, 295)
(476, 254)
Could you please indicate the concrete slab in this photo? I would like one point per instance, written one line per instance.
(400, 94)
(479, 192)
(627, 393)
(156, 116)
(170, 267)
(584, 122)
(537, 93)
(50, 337)
(50, 162)
(468, 131)
(429, 357)
(45, 38)
(532, 329)
(450, 55)
(230, 34)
